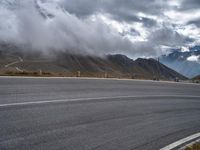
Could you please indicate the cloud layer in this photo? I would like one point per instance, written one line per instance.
(134, 27)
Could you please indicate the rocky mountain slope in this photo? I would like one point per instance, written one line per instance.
(197, 78)
(69, 64)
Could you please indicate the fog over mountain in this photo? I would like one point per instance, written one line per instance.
(186, 62)
(138, 28)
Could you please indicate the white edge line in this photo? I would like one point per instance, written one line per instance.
(180, 142)
(97, 98)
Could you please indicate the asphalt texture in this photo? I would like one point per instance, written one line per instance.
(95, 114)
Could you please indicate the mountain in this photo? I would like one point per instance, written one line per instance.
(197, 78)
(12, 60)
(146, 68)
(186, 63)
(158, 69)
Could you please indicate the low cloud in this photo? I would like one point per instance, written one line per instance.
(194, 58)
(136, 28)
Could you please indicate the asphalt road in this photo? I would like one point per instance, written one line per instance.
(90, 114)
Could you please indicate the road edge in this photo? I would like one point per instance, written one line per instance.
(181, 142)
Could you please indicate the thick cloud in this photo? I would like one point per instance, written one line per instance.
(117, 9)
(167, 37)
(133, 27)
(190, 4)
(195, 22)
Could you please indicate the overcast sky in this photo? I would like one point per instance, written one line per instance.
(138, 28)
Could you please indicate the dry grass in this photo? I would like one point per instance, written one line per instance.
(195, 146)
(71, 74)
(26, 73)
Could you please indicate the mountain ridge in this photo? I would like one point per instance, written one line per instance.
(64, 63)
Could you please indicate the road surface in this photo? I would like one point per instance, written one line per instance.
(15, 62)
(93, 114)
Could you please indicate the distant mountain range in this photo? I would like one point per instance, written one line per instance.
(197, 78)
(14, 60)
(184, 62)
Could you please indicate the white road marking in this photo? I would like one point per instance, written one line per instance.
(20, 59)
(17, 68)
(13, 63)
(180, 142)
(10, 64)
(95, 98)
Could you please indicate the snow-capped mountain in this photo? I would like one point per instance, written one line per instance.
(186, 63)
